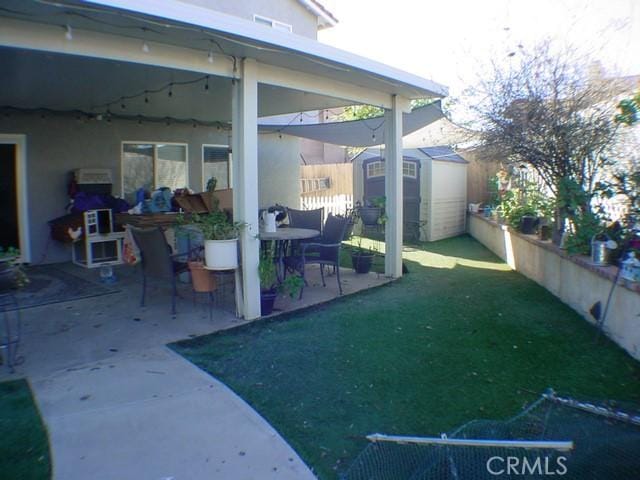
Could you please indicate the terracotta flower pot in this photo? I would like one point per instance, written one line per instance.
(201, 278)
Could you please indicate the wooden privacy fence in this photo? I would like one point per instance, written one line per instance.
(336, 204)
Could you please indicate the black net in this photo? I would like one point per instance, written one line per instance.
(606, 442)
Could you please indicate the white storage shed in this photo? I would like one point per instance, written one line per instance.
(434, 184)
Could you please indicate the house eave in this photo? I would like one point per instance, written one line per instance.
(256, 40)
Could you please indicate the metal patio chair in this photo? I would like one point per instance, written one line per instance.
(158, 262)
(324, 251)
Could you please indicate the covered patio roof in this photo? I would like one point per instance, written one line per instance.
(142, 58)
(219, 40)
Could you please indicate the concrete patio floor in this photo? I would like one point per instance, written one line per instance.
(119, 404)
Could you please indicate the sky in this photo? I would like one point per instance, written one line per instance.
(450, 41)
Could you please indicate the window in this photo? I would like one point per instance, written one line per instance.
(375, 169)
(308, 185)
(285, 27)
(152, 165)
(216, 163)
(410, 169)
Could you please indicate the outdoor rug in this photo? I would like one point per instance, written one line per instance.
(50, 284)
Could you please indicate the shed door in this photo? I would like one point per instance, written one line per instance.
(374, 187)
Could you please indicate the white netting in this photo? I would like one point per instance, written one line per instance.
(606, 446)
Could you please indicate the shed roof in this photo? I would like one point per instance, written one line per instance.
(442, 153)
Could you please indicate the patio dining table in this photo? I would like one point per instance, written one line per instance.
(282, 236)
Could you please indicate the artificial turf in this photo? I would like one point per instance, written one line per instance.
(24, 447)
(459, 337)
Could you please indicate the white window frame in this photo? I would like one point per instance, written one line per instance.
(155, 159)
(229, 162)
(375, 167)
(379, 168)
(412, 165)
(266, 21)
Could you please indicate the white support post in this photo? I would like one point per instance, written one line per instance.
(393, 189)
(245, 182)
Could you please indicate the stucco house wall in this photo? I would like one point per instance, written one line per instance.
(57, 145)
(302, 21)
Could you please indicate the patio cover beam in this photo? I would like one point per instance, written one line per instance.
(87, 43)
(305, 82)
(393, 188)
(245, 182)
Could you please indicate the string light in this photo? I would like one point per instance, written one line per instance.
(210, 57)
(68, 34)
(145, 45)
(206, 85)
(146, 97)
(170, 90)
(44, 113)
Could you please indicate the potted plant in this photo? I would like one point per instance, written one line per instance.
(12, 275)
(372, 214)
(201, 278)
(269, 286)
(220, 239)
(545, 229)
(268, 280)
(362, 257)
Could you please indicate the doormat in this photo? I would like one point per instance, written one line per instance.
(49, 284)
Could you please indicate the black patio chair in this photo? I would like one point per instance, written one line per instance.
(325, 251)
(158, 262)
(305, 219)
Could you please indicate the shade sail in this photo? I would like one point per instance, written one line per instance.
(359, 133)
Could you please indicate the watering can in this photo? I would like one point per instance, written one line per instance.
(269, 222)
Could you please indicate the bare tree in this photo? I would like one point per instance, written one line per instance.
(549, 110)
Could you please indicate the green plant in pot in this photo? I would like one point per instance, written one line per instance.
(269, 285)
(12, 275)
(362, 257)
(372, 214)
(211, 184)
(220, 239)
(268, 280)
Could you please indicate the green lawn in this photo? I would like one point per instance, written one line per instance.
(24, 447)
(459, 337)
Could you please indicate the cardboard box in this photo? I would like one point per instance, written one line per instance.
(203, 203)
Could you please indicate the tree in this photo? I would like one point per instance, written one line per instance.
(629, 110)
(548, 110)
(362, 112)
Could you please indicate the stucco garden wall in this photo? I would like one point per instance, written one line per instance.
(571, 278)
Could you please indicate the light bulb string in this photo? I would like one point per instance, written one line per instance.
(150, 91)
(77, 11)
(78, 114)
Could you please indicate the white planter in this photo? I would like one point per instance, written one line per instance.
(221, 254)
